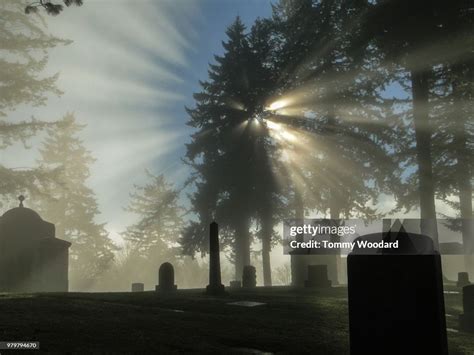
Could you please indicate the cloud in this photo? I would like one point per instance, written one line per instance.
(123, 76)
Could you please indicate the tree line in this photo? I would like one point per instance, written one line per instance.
(324, 107)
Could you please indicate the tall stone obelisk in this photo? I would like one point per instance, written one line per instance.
(215, 286)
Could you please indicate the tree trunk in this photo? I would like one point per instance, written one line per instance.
(242, 250)
(267, 231)
(266, 249)
(333, 261)
(420, 91)
(297, 261)
(463, 172)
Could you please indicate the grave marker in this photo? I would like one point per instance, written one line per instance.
(466, 320)
(463, 279)
(215, 286)
(138, 287)
(396, 303)
(317, 276)
(235, 284)
(249, 277)
(166, 278)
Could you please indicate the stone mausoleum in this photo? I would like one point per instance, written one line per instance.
(32, 259)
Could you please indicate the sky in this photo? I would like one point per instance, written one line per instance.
(129, 73)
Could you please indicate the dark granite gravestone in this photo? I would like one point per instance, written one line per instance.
(317, 276)
(396, 303)
(463, 279)
(32, 259)
(235, 284)
(466, 320)
(166, 278)
(215, 286)
(138, 287)
(249, 277)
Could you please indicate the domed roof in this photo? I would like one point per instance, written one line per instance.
(22, 214)
(23, 223)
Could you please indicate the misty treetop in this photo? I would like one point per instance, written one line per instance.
(24, 55)
(51, 7)
(70, 204)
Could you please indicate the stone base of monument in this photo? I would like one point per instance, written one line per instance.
(235, 284)
(171, 288)
(317, 277)
(138, 287)
(215, 290)
(396, 301)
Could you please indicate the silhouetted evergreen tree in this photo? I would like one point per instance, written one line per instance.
(25, 44)
(332, 78)
(229, 151)
(157, 231)
(51, 7)
(453, 115)
(407, 32)
(71, 205)
(332, 70)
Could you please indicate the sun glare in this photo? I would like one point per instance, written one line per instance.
(277, 105)
(274, 126)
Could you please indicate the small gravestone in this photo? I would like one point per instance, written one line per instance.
(215, 286)
(463, 279)
(317, 276)
(466, 320)
(249, 277)
(396, 303)
(166, 278)
(138, 287)
(235, 284)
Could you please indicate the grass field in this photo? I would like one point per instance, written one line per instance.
(188, 321)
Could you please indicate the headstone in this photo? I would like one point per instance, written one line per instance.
(249, 277)
(317, 276)
(215, 286)
(466, 320)
(463, 279)
(396, 303)
(138, 287)
(235, 284)
(32, 259)
(166, 278)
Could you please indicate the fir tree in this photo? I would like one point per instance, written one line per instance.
(153, 238)
(71, 205)
(156, 233)
(25, 44)
(230, 150)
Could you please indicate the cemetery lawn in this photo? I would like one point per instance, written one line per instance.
(290, 321)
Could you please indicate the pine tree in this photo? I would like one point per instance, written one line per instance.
(71, 205)
(453, 113)
(50, 7)
(230, 150)
(331, 75)
(25, 44)
(153, 238)
(156, 233)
